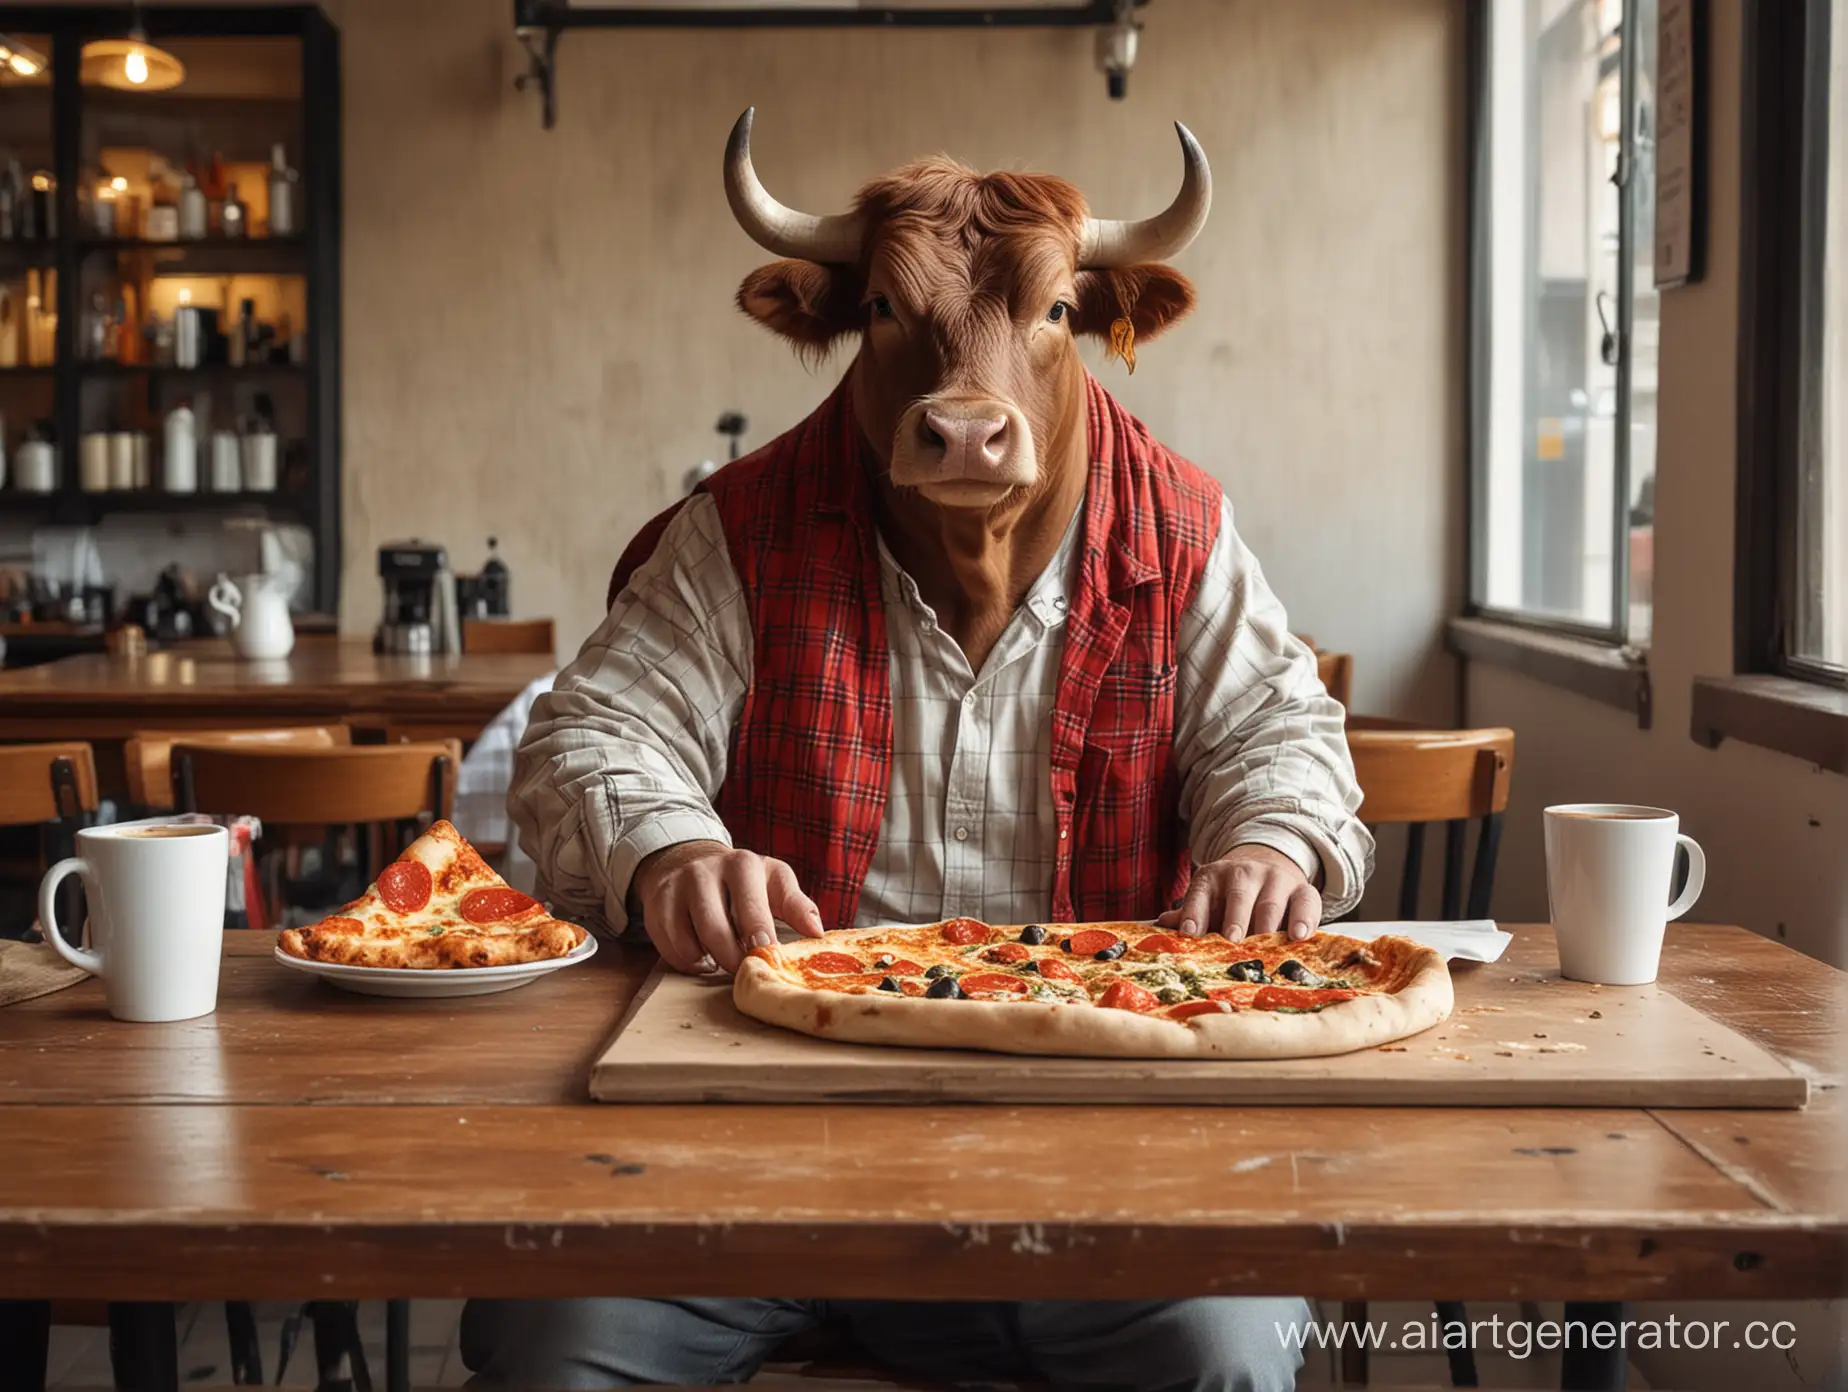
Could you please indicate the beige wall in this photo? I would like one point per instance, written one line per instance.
(1775, 829)
(539, 331)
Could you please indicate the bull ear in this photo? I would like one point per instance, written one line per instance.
(809, 304)
(1150, 296)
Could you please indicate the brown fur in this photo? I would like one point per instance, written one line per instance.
(971, 265)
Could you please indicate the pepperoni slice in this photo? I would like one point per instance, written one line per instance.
(1089, 941)
(1008, 952)
(834, 964)
(904, 966)
(495, 905)
(1300, 998)
(1054, 970)
(405, 886)
(1126, 995)
(1188, 1010)
(963, 931)
(912, 988)
(337, 925)
(994, 981)
(1160, 942)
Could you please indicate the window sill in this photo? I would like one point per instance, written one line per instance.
(1804, 719)
(1614, 676)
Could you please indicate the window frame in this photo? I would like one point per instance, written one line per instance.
(1784, 154)
(1615, 634)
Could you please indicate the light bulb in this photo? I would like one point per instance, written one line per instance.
(119, 184)
(22, 65)
(135, 66)
(185, 295)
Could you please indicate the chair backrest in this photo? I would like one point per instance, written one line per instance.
(46, 782)
(323, 787)
(509, 636)
(1414, 776)
(1337, 673)
(148, 754)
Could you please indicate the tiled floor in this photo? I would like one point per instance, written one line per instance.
(80, 1357)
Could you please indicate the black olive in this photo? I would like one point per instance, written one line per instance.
(1111, 953)
(941, 969)
(1033, 934)
(1250, 970)
(889, 984)
(1030, 968)
(945, 988)
(1293, 970)
(1065, 944)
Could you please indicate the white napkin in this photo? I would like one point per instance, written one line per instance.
(1470, 940)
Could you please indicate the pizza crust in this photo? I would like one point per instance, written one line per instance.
(1422, 998)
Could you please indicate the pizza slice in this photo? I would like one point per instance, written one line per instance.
(437, 906)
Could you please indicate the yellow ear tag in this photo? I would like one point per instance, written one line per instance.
(1123, 343)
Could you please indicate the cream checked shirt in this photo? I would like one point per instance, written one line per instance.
(628, 751)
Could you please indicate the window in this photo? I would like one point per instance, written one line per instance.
(1564, 385)
(1792, 606)
(1818, 636)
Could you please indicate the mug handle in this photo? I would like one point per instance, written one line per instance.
(48, 914)
(225, 598)
(1697, 876)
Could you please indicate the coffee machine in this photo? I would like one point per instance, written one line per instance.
(420, 600)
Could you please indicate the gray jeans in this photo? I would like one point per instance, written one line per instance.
(1213, 1345)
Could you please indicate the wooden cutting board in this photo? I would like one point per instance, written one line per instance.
(1521, 1036)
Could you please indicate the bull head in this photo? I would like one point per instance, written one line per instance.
(967, 291)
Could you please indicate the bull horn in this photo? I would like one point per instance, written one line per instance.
(833, 239)
(1108, 243)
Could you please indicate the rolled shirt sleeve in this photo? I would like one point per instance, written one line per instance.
(626, 753)
(1260, 744)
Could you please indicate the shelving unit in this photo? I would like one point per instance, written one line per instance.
(299, 50)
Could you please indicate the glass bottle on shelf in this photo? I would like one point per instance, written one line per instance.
(234, 217)
(496, 584)
(96, 329)
(10, 194)
(282, 182)
(192, 208)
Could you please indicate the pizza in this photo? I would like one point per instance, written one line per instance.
(1098, 990)
(437, 906)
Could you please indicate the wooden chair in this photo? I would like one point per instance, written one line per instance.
(1414, 777)
(1337, 673)
(334, 786)
(147, 754)
(509, 636)
(46, 783)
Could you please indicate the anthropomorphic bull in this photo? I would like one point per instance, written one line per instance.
(966, 641)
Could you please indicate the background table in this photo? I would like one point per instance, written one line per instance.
(301, 1142)
(105, 698)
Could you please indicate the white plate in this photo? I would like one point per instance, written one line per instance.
(439, 983)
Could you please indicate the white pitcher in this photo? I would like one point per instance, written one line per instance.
(259, 615)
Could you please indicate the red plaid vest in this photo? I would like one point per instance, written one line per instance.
(811, 757)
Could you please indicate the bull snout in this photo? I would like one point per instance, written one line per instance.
(963, 452)
(970, 445)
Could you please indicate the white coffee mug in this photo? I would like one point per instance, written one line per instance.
(1609, 866)
(156, 894)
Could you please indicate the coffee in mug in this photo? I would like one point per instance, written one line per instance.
(1609, 867)
(156, 894)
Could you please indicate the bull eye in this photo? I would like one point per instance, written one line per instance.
(1057, 312)
(882, 307)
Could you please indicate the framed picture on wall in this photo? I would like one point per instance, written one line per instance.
(1680, 142)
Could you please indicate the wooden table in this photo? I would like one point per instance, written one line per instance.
(203, 685)
(302, 1142)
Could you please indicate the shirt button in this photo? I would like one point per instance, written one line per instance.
(969, 698)
(1059, 604)
(962, 833)
(1061, 833)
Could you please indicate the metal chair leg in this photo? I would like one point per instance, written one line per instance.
(25, 1344)
(397, 1346)
(337, 1343)
(144, 1347)
(246, 1345)
(1583, 1368)
(1451, 1314)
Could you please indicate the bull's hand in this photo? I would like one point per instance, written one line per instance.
(1253, 890)
(703, 903)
